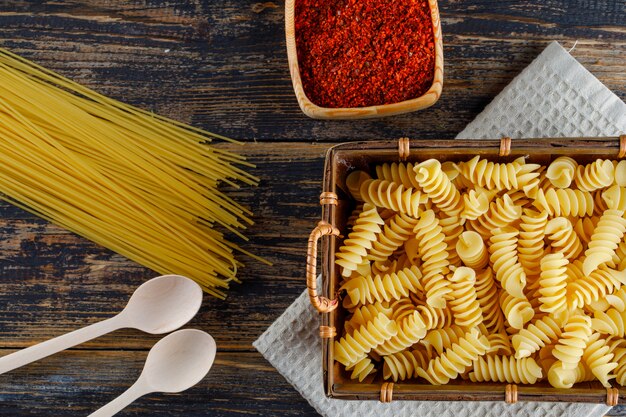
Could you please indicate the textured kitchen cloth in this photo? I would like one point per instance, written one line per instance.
(554, 96)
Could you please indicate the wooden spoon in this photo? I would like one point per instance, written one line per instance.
(158, 306)
(175, 363)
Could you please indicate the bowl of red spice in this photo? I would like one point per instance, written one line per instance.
(357, 59)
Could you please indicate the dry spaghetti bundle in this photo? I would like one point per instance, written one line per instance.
(142, 185)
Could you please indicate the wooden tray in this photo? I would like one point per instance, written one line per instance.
(336, 206)
(309, 108)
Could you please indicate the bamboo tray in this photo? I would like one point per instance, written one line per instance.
(314, 111)
(336, 206)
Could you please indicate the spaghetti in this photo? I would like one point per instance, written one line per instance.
(142, 185)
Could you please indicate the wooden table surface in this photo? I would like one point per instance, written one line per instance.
(223, 66)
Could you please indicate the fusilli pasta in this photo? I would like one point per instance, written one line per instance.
(388, 287)
(505, 262)
(505, 369)
(364, 233)
(561, 171)
(596, 175)
(464, 306)
(604, 240)
(352, 348)
(456, 359)
(393, 196)
(438, 187)
(432, 251)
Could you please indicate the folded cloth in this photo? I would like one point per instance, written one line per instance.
(554, 96)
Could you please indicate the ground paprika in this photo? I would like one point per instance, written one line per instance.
(357, 53)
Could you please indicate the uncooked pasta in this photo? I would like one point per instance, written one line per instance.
(140, 184)
(492, 272)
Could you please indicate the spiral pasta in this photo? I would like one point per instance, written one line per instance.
(619, 356)
(362, 290)
(560, 377)
(476, 203)
(614, 197)
(393, 196)
(487, 296)
(485, 272)
(354, 248)
(456, 359)
(594, 176)
(530, 245)
(552, 283)
(564, 202)
(472, 250)
(402, 308)
(400, 173)
(411, 329)
(393, 236)
(528, 178)
(438, 187)
(464, 306)
(569, 349)
(537, 335)
(584, 228)
(502, 212)
(599, 204)
(432, 251)
(561, 171)
(404, 365)
(517, 311)
(542, 183)
(365, 314)
(505, 262)
(606, 236)
(435, 318)
(352, 348)
(560, 232)
(598, 357)
(437, 341)
(499, 344)
(611, 322)
(354, 182)
(518, 197)
(386, 267)
(450, 169)
(451, 227)
(617, 300)
(361, 369)
(489, 174)
(586, 290)
(619, 258)
(505, 369)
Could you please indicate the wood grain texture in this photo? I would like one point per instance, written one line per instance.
(73, 384)
(223, 66)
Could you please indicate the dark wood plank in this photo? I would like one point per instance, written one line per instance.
(222, 65)
(76, 383)
(53, 281)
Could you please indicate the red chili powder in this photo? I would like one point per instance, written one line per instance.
(357, 53)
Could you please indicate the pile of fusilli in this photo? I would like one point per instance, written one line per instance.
(507, 272)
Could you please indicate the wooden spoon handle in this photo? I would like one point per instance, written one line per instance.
(52, 346)
(131, 394)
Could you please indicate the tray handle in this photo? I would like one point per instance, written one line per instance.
(321, 304)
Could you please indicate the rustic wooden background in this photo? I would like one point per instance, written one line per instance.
(222, 66)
